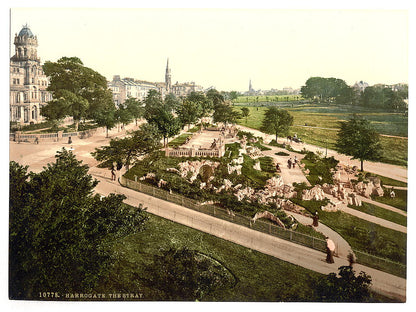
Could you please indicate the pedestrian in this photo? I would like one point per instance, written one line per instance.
(113, 174)
(69, 140)
(330, 250)
(315, 219)
(289, 163)
(277, 168)
(37, 140)
(296, 161)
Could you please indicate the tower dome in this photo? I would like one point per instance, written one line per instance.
(26, 31)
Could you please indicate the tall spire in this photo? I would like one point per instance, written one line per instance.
(168, 78)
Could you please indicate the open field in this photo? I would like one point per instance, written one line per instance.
(322, 126)
(267, 98)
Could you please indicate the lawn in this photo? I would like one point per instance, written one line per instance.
(259, 277)
(400, 201)
(381, 213)
(316, 116)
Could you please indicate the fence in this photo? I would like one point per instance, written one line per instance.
(18, 136)
(386, 265)
(259, 225)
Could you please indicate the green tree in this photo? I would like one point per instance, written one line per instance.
(183, 274)
(203, 101)
(189, 112)
(123, 114)
(127, 150)
(276, 121)
(234, 95)
(224, 112)
(327, 90)
(103, 112)
(245, 112)
(135, 108)
(347, 287)
(60, 232)
(358, 138)
(74, 88)
(160, 114)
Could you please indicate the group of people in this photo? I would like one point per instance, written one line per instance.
(292, 163)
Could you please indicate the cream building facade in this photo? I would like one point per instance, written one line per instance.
(28, 83)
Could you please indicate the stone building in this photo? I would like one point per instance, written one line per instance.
(128, 87)
(28, 83)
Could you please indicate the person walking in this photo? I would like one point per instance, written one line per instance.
(289, 163)
(113, 174)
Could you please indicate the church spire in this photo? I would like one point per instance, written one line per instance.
(168, 78)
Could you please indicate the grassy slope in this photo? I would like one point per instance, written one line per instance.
(259, 277)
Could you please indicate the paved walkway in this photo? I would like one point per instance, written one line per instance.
(342, 248)
(383, 283)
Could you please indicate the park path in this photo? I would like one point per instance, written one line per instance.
(387, 170)
(342, 248)
(383, 283)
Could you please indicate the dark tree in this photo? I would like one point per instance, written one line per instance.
(245, 112)
(347, 287)
(183, 274)
(357, 138)
(60, 232)
(276, 121)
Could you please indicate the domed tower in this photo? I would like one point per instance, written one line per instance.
(25, 45)
(28, 83)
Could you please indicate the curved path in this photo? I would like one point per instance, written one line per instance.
(342, 248)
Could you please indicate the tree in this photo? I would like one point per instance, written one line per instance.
(276, 121)
(189, 112)
(182, 274)
(358, 138)
(327, 90)
(127, 150)
(135, 108)
(234, 95)
(60, 232)
(348, 287)
(103, 112)
(245, 112)
(224, 112)
(123, 114)
(161, 115)
(74, 88)
(203, 101)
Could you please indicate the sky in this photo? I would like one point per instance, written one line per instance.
(225, 48)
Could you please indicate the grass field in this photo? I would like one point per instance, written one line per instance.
(322, 125)
(259, 277)
(382, 213)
